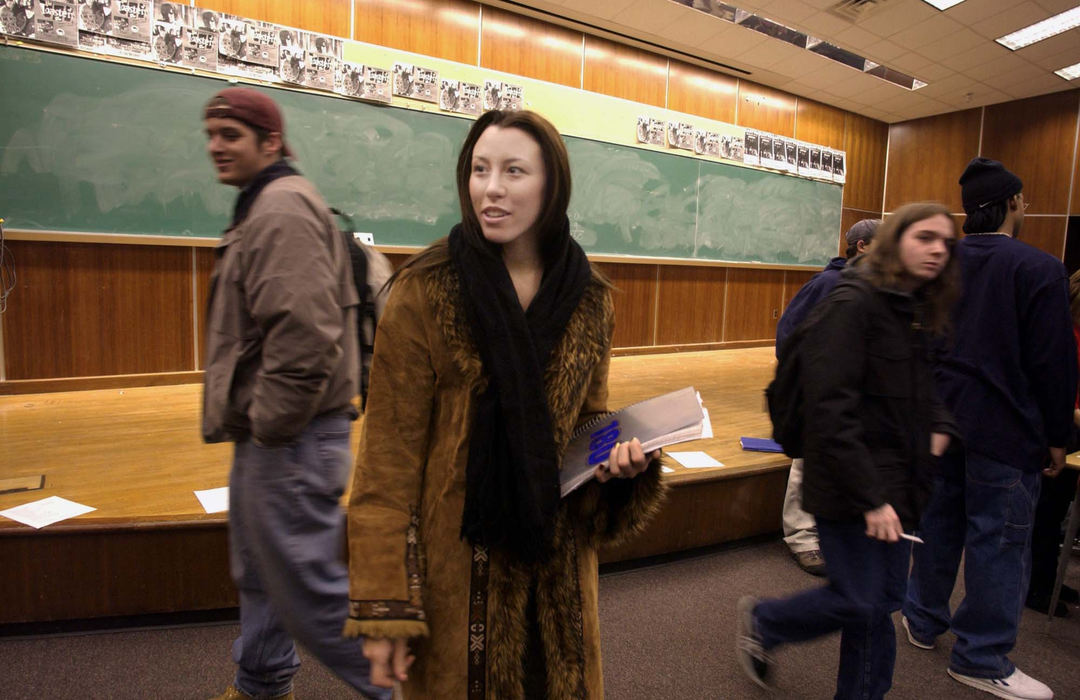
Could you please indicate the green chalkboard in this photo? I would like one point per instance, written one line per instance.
(94, 146)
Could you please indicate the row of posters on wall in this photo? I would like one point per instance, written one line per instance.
(182, 35)
(172, 33)
(750, 147)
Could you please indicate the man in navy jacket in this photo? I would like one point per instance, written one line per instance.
(800, 531)
(1008, 376)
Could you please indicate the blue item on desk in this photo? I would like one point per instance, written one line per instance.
(760, 444)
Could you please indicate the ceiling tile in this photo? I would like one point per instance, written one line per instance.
(910, 62)
(898, 15)
(1010, 20)
(953, 85)
(934, 72)
(984, 53)
(690, 31)
(927, 32)
(1040, 85)
(856, 38)
(998, 65)
(1056, 6)
(952, 45)
(605, 9)
(787, 12)
(970, 12)
(976, 96)
(735, 43)
(1010, 78)
(884, 51)
(652, 16)
(1053, 63)
(824, 25)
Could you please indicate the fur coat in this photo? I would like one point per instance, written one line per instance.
(411, 574)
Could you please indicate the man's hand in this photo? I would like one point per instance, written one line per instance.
(939, 442)
(389, 659)
(626, 461)
(883, 524)
(1057, 462)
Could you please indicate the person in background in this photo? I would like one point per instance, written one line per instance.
(282, 370)
(873, 430)
(1008, 375)
(494, 346)
(1054, 498)
(800, 532)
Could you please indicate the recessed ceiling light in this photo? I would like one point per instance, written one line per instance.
(1070, 72)
(1069, 19)
(943, 4)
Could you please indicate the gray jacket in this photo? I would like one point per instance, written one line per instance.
(281, 345)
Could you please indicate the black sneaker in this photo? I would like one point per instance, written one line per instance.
(752, 657)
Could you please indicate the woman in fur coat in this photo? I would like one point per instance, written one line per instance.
(494, 346)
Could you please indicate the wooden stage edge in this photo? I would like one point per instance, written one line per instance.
(134, 454)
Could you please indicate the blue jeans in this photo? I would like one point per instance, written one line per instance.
(983, 509)
(866, 585)
(286, 531)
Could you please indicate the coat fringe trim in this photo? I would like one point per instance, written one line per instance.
(384, 629)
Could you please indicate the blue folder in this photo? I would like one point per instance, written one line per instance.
(759, 444)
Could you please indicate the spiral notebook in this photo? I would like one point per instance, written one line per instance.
(657, 422)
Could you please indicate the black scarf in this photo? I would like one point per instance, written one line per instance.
(247, 195)
(512, 479)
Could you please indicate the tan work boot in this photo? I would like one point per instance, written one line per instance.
(234, 693)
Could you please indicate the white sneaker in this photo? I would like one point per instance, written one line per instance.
(911, 637)
(1016, 686)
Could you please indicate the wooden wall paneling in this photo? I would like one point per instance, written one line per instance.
(766, 109)
(626, 72)
(818, 123)
(755, 298)
(635, 303)
(84, 309)
(204, 266)
(442, 28)
(530, 47)
(1047, 233)
(322, 16)
(866, 142)
(1036, 139)
(927, 156)
(696, 90)
(793, 282)
(691, 304)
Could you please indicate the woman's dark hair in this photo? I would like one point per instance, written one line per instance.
(556, 188)
(884, 268)
(987, 219)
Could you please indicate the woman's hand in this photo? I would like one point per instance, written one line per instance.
(389, 659)
(882, 523)
(626, 461)
(939, 442)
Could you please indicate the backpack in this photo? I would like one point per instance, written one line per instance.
(370, 270)
(784, 394)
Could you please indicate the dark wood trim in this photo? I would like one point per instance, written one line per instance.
(114, 381)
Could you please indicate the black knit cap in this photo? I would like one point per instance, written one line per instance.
(987, 181)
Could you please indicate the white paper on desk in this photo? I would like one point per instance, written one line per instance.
(706, 423)
(47, 511)
(695, 460)
(214, 500)
(666, 470)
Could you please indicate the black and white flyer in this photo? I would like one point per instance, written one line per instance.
(511, 97)
(291, 55)
(492, 94)
(732, 147)
(680, 135)
(460, 97)
(750, 148)
(416, 82)
(706, 143)
(803, 162)
(323, 53)
(826, 163)
(839, 171)
(349, 79)
(262, 47)
(200, 38)
(168, 33)
(791, 150)
(650, 131)
(815, 160)
(765, 157)
(779, 148)
(17, 18)
(57, 22)
(376, 85)
(132, 20)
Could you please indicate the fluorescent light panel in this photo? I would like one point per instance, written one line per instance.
(768, 27)
(943, 4)
(1070, 72)
(1069, 19)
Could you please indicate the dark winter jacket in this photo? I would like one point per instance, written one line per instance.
(1009, 377)
(807, 298)
(870, 404)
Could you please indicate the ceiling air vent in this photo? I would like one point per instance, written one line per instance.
(855, 10)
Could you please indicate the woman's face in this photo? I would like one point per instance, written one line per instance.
(925, 247)
(506, 185)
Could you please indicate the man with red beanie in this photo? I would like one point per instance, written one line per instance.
(281, 373)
